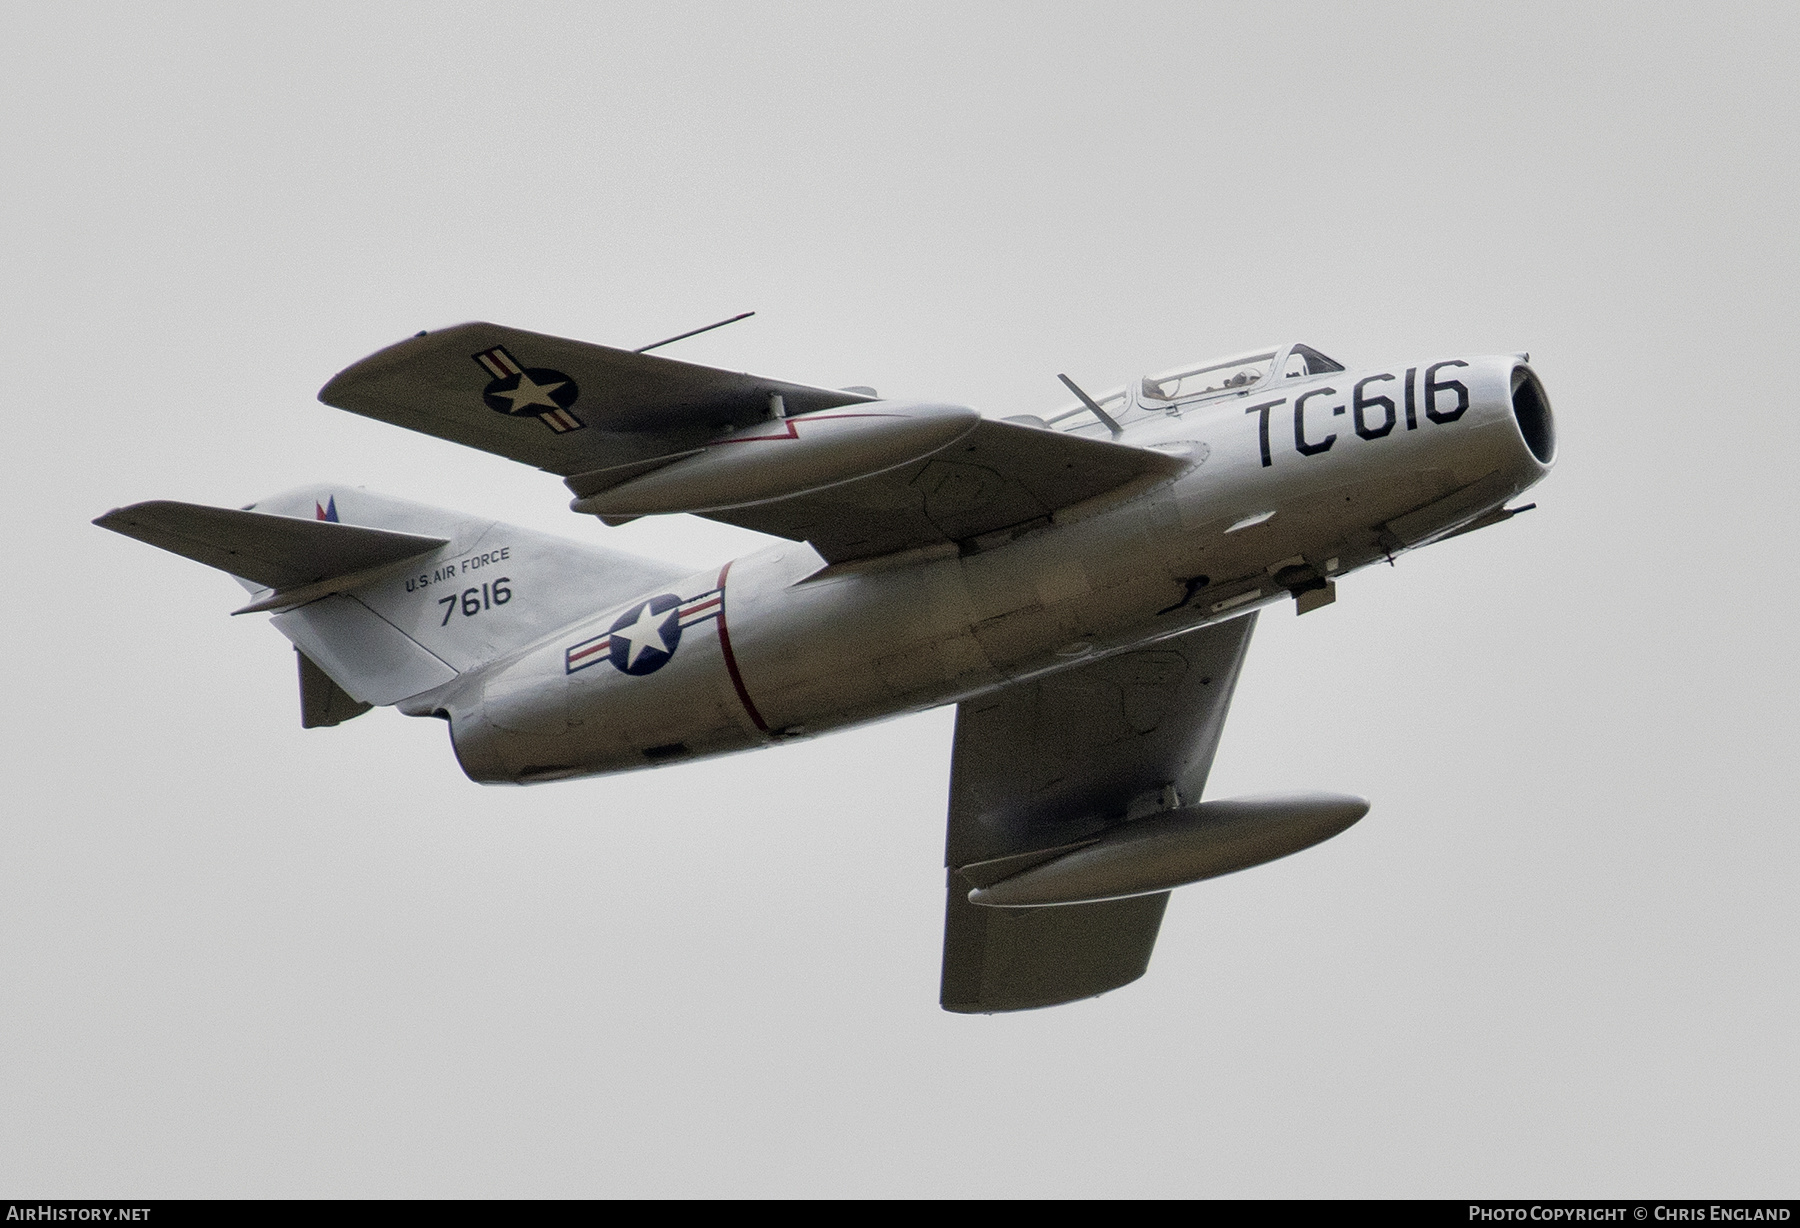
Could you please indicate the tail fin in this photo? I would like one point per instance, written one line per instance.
(390, 599)
(322, 701)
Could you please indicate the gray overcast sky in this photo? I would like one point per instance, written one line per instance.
(1558, 958)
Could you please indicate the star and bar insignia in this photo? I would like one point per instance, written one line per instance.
(522, 391)
(644, 637)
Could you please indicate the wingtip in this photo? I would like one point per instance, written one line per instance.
(343, 382)
(112, 519)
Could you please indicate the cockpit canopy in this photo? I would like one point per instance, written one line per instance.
(1173, 391)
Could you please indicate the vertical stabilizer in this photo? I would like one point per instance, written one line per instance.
(323, 703)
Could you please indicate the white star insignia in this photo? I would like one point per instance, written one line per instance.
(646, 632)
(531, 393)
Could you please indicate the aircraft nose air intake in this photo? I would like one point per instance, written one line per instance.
(1531, 410)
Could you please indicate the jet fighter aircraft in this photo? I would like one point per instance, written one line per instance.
(1082, 585)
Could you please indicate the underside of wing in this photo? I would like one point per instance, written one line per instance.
(999, 480)
(565, 406)
(1042, 767)
(612, 421)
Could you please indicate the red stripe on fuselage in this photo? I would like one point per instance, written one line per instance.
(582, 652)
(731, 666)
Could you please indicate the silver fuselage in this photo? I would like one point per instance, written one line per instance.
(1288, 485)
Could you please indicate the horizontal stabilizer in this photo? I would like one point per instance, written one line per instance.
(284, 553)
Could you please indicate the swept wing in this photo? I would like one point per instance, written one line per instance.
(625, 406)
(598, 416)
(1043, 765)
